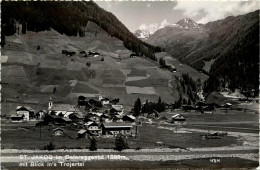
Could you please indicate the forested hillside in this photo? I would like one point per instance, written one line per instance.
(230, 45)
(69, 18)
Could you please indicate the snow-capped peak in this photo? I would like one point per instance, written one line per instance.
(187, 23)
(142, 33)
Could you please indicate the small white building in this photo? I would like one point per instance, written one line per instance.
(118, 108)
(179, 119)
(26, 111)
(104, 101)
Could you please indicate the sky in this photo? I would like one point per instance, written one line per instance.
(152, 15)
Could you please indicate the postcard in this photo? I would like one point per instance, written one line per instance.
(129, 84)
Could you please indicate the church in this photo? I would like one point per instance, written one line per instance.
(63, 110)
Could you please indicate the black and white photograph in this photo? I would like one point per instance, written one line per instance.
(129, 84)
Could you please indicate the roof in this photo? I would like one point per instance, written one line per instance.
(42, 111)
(116, 125)
(131, 116)
(82, 131)
(105, 99)
(177, 115)
(18, 116)
(88, 123)
(25, 107)
(58, 129)
(118, 107)
(77, 115)
(66, 119)
(63, 107)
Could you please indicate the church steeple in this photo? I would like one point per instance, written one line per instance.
(50, 103)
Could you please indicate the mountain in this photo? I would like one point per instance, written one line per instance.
(228, 46)
(68, 18)
(187, 23)
(142, 34)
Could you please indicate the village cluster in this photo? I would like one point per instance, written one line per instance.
(92, 116)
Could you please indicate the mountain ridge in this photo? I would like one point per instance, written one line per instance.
(217, 40)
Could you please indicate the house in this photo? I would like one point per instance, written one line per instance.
(133, 55)
(168, 106)
(208, 109)
(82, 133)
(113, 112)
(81, 101)
(82, 52)
(118, 108)
(105, 101)
(27, 111)
(76, 117)
(93, 53)
(88, 106)
(129, 118)
(93, 128)
(153, 115)
(226, 105)
(64, 51)
(95, 103)
(117, 118)
(40, 114)
(171, 67)
(92, 117)
(115, 101)
(58, 132)
(116, 128)
(16, 118)
(178, 119)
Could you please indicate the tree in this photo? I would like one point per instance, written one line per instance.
(93, 144)
(189, 102)
(88, 64)
(137, 107)
(120, 143)
(54, 90)
(162, 62)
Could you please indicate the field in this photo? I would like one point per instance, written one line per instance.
(29, 75)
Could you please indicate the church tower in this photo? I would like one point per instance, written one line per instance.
(50, 104)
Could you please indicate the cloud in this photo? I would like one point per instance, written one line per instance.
(154, 26)
(205, 11)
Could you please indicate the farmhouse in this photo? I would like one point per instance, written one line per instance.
(82, 133)
(178, 119)
(76, 117)
(27, 111)
(117, 128)
(118, 108)
(93, 53)
(81, 101)
(40, 114)
(133, 55)
(171, 67)
(93, 128)
(128, 118)
(82, 52)
(226, 105)
(92, 117)
(105, 101)
(208, 109)
(117, 118)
